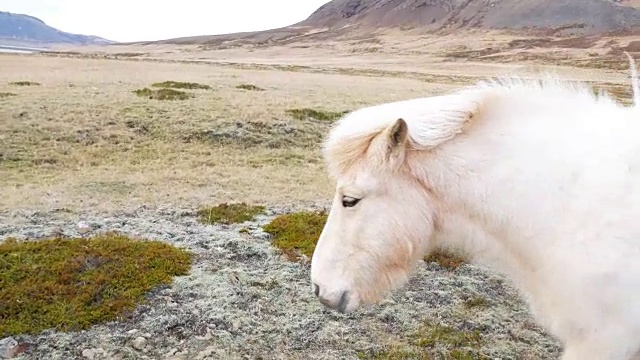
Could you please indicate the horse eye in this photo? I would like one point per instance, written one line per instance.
(348, 201)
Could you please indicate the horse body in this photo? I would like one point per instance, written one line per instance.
(550, 199)
(539, 180)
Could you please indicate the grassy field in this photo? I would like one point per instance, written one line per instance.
(110, 135)
(81, 137)
(81, 132)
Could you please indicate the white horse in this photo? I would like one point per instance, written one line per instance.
(539, 180)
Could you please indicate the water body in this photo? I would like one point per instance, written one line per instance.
(19, 49)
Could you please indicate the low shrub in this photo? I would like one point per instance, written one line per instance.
(180, 85)
(229, 213)
(446, 260)
(249, 87)
(322, 115)
(433, 341)
(71, 284)
(297, 233)
(163, 94)
(24, 83)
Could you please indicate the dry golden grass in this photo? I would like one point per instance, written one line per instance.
(83, 139)
(392, 51)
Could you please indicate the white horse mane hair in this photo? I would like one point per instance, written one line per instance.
(434, 120)
(635, 80)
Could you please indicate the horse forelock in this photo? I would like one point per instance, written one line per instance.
(342, 153)
(430, 121)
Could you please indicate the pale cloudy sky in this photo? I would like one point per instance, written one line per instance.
(132, 20)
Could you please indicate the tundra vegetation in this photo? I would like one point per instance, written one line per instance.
(220, 167)
(71, 284)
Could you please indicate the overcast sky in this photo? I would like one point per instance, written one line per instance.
(132, 20)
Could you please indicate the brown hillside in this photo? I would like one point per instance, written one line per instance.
(570, 16)
(348, 18)
(632, 3)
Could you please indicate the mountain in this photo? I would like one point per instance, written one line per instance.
(576, 16)
(19, 28)
(352, 17)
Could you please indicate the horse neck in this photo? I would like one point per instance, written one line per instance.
(476, 213)
(500, 186)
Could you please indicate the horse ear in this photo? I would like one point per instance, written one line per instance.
(397, 135)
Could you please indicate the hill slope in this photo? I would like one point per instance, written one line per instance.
(581, 16)
(29, 29)
(350, 17)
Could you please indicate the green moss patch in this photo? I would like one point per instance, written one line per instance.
(446, 260)
(322, 115)
(394, 353)
(71, 284)
(249, 87)
(434, 341)
(180, 85)
(229, 213)
(431, 335)
(272, 135)
(24, 83)
(476, 302)
(163, 94)
(297, 233)
(455, 344)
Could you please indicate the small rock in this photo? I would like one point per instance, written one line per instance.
(22, 347)
(91, 353)
(179, 356)
(235, 326)
(172, 352)
(57, 232)
(8, 348)
(206, 353)
(233, 277)
(139, 343)
(206, 336)
(83, 228)
(261, 235)
(8, 342)
(388, 302)
(132, 331)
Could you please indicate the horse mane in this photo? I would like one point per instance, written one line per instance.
(435, 120)
(635, 80)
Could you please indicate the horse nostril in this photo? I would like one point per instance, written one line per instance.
(336, 303)
(344, 301)
(316, 289)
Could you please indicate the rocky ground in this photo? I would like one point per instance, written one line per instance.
(242, 300)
